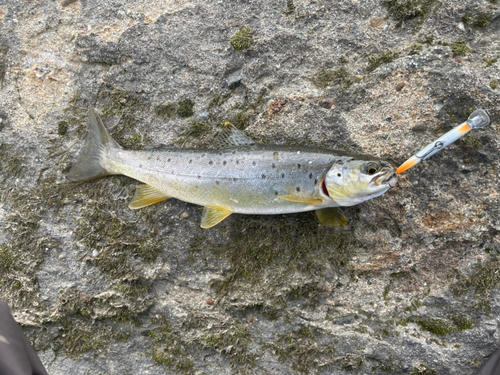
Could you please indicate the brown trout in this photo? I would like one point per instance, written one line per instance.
(239, 176)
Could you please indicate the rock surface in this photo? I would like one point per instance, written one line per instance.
(408, 286)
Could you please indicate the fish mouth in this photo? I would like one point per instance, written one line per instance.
(388, 178)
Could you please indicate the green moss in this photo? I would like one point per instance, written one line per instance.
(490, 62)
(82, 338)
(166, 111)
(415, 49)
(437, 326)
(216, 101)
(303, 353)
(198, 129)
(343, 59)
(375, 61)
(494, 84)
(423, 369)
(462, 321)
(467, 18)
(168, 348)
(305, 332)
(481, 282)
(324, 78)
(122, 336)
(185, 108)
(128, 107)
(351, 362)
(11, 162)
(396, 275)
(276, 256)
(361, 329)
(290, 7)
(113, 236)
(478, 20)
(4, 49)
(470, 143)
(133, 141)
(234, 341)
(481, 20)
(389, 366)
(459, 47)
(387, 289)
(23, 249)
(6, 258)
(119, 102)
(402, 10)
(476, 362)
(243, 39)
(62, 127)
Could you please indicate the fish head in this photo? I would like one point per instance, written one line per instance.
(353, 181)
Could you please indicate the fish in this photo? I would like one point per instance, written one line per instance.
(238, 175)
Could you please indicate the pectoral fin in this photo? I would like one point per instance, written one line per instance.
(213, 215)
(331, 217)
(306, 200)
(146, 195)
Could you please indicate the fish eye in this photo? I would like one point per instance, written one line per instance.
(371, 168)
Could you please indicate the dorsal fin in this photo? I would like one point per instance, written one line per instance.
(230, 137)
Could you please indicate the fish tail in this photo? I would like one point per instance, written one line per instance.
(89, 164)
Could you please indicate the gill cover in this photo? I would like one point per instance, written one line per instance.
(356, 181)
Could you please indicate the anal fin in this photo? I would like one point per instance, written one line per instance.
(331, 217)
(145, 195)
(307, 200)
(213, 215)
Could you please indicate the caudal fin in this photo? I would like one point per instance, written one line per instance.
(89, 162)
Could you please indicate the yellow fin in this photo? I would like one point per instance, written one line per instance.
(306, 200)
(331, 217)
(146, 195)
(213, 215)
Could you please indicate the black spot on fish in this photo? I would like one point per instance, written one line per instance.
(224, 162)
(140, 166)
(273, 165)
(235, 179)
(275, 193)
(315, 181)
(298, 166)
(310, 175)
(158, 158)
(216, 182)
(168, 159)
(199, 177)
(282, 175)
(263, 176)
(298, 189)
(253, 163)
(210, 162)
(190, 161)
(237, 162)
